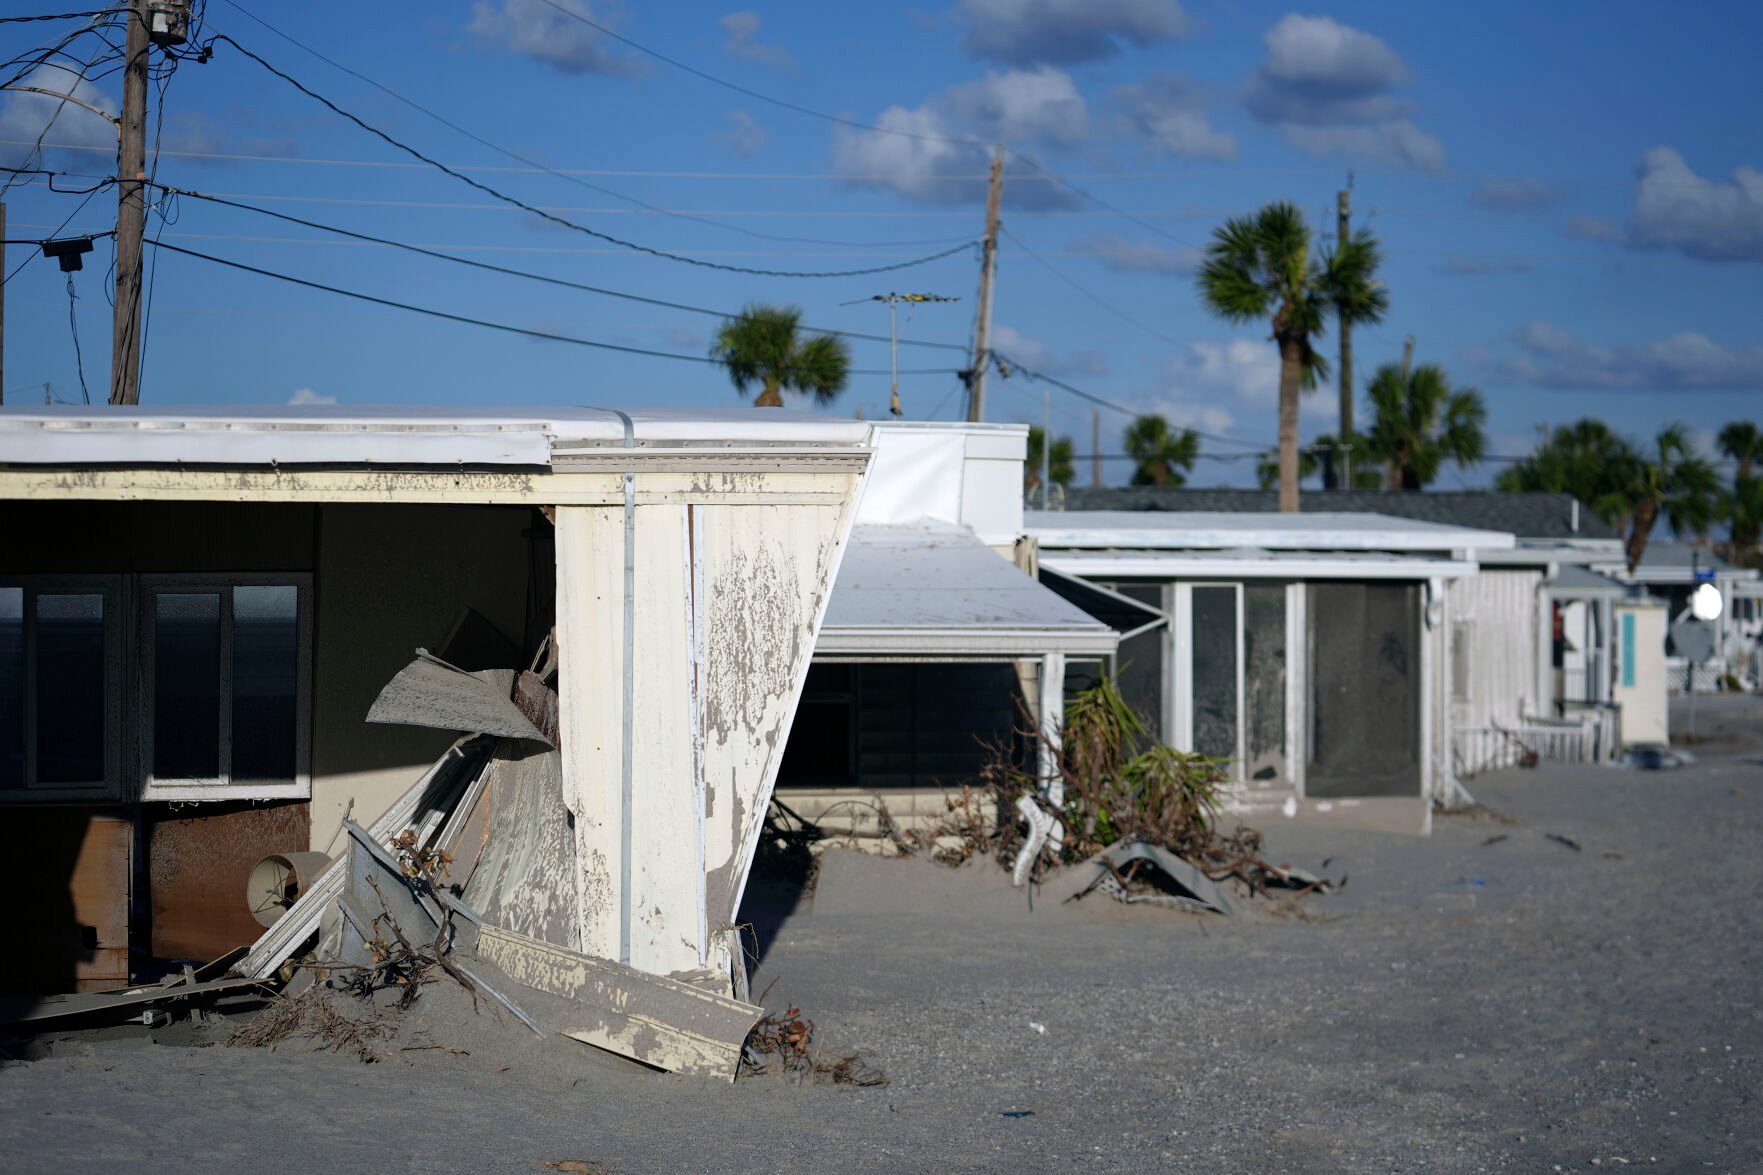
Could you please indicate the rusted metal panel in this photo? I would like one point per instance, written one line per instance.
(650, 1018)
(66, 874)
(198, 860)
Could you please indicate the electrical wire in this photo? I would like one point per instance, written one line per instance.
(500, 326)
(1016, 367)
(560, 220)
(528, 162)
(863, 126)
(34, 254)
(73, 322)
(527, 274)
(57, 16)
(1087, 292)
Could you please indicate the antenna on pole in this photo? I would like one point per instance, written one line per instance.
(893, 301)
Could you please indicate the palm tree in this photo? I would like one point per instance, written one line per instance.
(1584, 459)
(1742, 441)
(761, 345)
(1261, 267)
(1161, 456)
(1419, 421)
(1673, 480)
(1061, 467)
(1625, 486)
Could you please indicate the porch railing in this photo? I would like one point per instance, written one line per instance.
(1588, 737)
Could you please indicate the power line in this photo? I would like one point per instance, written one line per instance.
(564, 221)
(1112, 406)
(854, 124)
(1089, 293)
(528, 332)
(73, 322)
(515, 155)
(521, 273)
(56, 16)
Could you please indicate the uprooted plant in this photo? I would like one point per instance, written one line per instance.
(396, 964)
(785, 1043)
(1109, 783)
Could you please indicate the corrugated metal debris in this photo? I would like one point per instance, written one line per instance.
(472, 875)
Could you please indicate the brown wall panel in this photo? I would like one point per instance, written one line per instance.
(65, 872)
(199, 858)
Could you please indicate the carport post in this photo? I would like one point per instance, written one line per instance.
(1051, 718)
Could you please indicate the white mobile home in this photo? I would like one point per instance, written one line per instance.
(197, 608)
(1310, 651)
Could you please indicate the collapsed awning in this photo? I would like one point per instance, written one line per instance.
(934, 591)
(1125, 615)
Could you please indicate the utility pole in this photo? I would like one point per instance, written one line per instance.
(982, 356)
(131, 212)
(1096, 447)
(1407, 357)
(1343, 455)
(1046, 442)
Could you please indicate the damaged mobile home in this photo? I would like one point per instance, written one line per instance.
(198, 610)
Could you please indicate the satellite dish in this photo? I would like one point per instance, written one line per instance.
(1705, 602)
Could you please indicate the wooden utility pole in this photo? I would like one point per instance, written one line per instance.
(1096, 447)
(982, 356)
(131, 212)
(1343, 454)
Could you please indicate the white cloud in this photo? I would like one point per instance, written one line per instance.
(1515, 194)
(744, 136)
(24, 116)
(308, 396)
(1025, 32)
(1674, 208)
(533, 28)
(1399, 143)
(940, 151)
(1168, 112)
(1329, 89)
(1022, 105)
(1237, 380)
(743, 41)
(1548, 356)
(1140, 256)
(1018, 347)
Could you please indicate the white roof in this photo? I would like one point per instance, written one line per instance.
(1172, 530)
(1250, 563)
(932, 590)
(387, 435)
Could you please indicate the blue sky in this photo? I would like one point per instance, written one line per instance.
(1568, 195)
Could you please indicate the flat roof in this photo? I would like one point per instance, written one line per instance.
(932, 590)
(339, 434)
(1164, 531)
(1250, 563)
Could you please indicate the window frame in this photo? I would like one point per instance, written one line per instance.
(111, 588)
(222, 787)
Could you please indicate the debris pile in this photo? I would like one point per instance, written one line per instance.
(784, 1043)
(1100, 795)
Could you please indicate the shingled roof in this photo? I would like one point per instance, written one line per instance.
(1529, 516)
